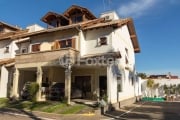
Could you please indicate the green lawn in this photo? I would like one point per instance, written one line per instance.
(49, 106)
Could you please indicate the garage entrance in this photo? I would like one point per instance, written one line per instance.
(83, 83)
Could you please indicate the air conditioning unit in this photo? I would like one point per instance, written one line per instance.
(108, 18)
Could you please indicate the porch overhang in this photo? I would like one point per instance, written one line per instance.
(6, 61)
(51, 57)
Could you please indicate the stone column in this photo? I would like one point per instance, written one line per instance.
(39, 82)
(68, 85)
(15, 92)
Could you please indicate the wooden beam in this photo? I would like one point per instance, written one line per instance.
(133, 36)
(92, 22)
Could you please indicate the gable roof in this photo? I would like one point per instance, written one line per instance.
(49, 14)
(85, 10)
(9, 26)
(88, 25)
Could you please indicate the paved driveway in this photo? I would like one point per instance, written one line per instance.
(149, 111)
(140, 111)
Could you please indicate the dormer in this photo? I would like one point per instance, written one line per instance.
(53, 19)
(77, 14)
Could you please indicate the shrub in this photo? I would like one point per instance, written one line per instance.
(32, 90)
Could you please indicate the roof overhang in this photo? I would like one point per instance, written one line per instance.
(9, 35)
(9, 26)
(49, 15)
(82, 9)
(133, 36)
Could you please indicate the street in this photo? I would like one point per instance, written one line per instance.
(143, 111)
(149, 111)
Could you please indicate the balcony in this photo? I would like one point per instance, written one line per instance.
(45, 56)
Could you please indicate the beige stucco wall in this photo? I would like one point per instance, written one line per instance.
(7, 30)
(45, 46)
(91, 41)
(46, 40)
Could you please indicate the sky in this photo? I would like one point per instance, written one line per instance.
(157, 24)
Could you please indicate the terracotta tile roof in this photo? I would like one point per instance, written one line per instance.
(11, 34)
(45, 17)
(66, 13)
(88, 25)
(10, 26)
(6, 61)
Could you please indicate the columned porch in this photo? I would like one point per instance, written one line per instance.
(85, 82)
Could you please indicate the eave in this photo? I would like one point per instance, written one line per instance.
(45, 17)
(66, 13)
(9, 26)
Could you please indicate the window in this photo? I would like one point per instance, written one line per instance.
(102, 41)
(6, 49)
(24, 50)
(35, 47)
(77, 19)
(119, 83)
(126, 51)
(62, 44)
(67, 43)
(127, 61)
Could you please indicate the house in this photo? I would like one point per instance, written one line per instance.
(7, 54)
(8, 49)
(94, 55)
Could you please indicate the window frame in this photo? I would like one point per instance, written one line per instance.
(75, 16)
(36, 44)
(66, 40)
(24, 48)
(100, 43)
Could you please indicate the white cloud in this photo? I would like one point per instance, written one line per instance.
(136, 8)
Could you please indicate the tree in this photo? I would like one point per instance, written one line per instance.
(142, 75)
(166, 89)
(150, 85)
(178, 88)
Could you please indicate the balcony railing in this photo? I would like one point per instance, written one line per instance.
(45, 56)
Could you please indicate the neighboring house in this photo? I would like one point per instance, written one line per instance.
(8, 50)
(168, 76)
(92, 44)
(7, 53)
